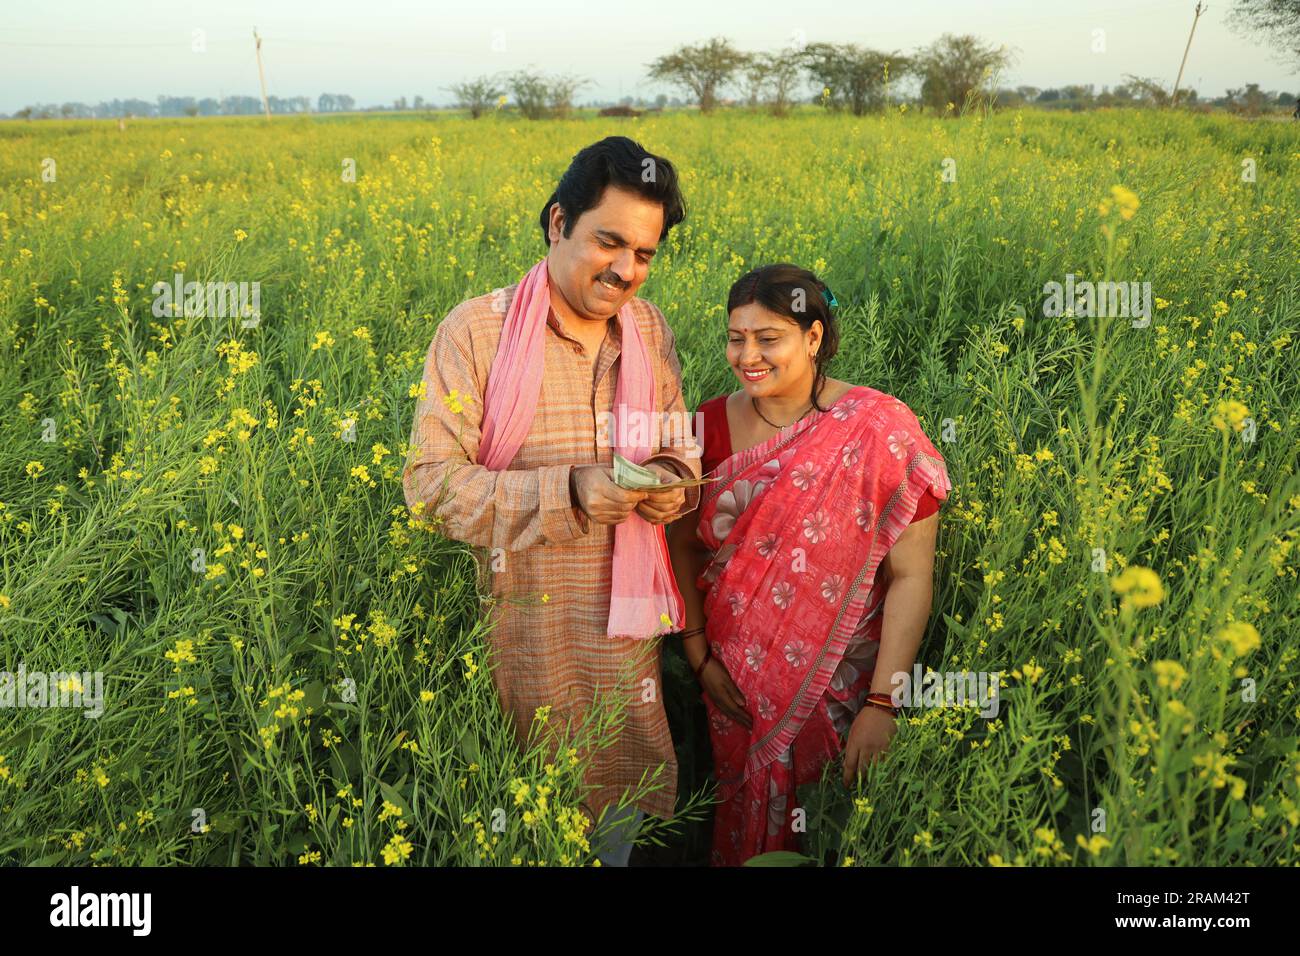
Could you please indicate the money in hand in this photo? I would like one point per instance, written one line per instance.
(635, 477)
(628, 475)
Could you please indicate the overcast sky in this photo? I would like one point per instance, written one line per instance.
(53, 51)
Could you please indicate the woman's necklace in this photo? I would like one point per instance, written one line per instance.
(774, 424)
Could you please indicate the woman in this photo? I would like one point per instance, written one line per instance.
(826, 500)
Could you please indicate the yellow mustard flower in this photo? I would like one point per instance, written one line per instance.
(1139, 586)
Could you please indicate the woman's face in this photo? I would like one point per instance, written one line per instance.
(770, 354)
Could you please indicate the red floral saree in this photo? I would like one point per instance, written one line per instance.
(797, 527)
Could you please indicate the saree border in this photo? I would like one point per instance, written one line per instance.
(797, 701)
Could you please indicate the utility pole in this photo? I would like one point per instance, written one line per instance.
(1200, 8)
(266, 105)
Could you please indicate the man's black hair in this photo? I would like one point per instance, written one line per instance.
(614, 161)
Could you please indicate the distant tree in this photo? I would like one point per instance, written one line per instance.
(857, 77)
(236, 105)
(172, 105)
(1275, 21)
(783, 70)
(770, 79)
(956, 69)
(1119, 96)
(702, 69)
(531, 92)
(1247, 100)
(1145, 90)
(1028, 93)
(24, 113)
(753, 78)
(560, 91)
(477, 95)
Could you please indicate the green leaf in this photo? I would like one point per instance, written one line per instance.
(314, 695)
(469, 746)
(396, 799)
(780, 858)
(346, 759)
(250, 762)
(25, 737)
(226, 822)
(112, 622)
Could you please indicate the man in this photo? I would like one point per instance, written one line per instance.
(549, 516)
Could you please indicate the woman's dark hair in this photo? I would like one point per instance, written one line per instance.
(614, 161)
(777, 288)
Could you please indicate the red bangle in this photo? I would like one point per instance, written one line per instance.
(874, 700)
(708, 653)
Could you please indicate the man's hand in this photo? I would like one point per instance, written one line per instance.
(661, 507)
(599, 498)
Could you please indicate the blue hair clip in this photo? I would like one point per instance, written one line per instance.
(829, 296)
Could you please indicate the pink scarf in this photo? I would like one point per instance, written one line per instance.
(644, 600)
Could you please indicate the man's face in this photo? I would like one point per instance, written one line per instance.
(601, 264)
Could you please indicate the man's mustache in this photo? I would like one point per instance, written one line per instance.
(612, 279)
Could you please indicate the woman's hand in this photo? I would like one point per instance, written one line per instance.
(869, 737)
(717, 683)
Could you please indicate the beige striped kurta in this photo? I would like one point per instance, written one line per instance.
(550, 652)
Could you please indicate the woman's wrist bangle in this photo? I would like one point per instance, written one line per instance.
(692, 632)
(886, 704)
(708, 653)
